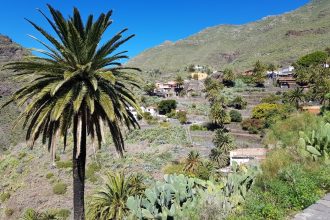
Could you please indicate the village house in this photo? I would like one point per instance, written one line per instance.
(246, 155)
(152, 110)
(313, 109)
(199, 75)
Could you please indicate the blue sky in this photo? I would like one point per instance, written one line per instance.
(153, 21)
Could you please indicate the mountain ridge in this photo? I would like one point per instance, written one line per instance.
(238, 46)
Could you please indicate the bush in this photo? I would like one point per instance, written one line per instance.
(286, 131)
(196, 127)
(166, 106)
(252, 125)
(49, 175)
(4, 196)
(9, 212)
(271, 99)
(64, 164)
(238, 103)
(182, 117)
(235, 116)
(59, 188)
(91, 171)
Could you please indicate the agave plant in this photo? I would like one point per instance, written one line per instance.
(76, 88)
(110, 201)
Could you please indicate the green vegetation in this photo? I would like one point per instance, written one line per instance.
(110, 201)
(274, 39)
(259, 76)
(31, 214)
(74, 95)
(64, 164)
(196, 127)
(235, 116)
(59, 188)
(4, 196)
(91, 171)
(166, 106)
(223, 144)
(49, 175)
(182, 117)
(159, 135)
(238, 103)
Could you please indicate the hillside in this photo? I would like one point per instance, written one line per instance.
(277, 39)
(9, 51)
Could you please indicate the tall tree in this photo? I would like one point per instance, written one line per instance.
(76, 87)
(258, 75)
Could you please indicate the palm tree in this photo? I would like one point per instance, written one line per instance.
(218, 114)
(76, 88)
(296, 96)
(223, 144)
(110, 201)
(192, 161)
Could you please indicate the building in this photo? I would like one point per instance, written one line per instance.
(286, 82)
(246, 155)
(313, 109)
(199, 75)
(152, 110)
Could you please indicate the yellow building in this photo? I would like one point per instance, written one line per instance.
(199, 76)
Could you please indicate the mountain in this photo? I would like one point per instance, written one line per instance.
(274, 39)
(9, 51)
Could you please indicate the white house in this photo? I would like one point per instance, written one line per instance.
(152, 110)
(245, 155)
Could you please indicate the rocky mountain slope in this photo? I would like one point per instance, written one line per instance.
(9, 51)
(277, 39)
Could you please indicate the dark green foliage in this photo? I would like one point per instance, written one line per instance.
(313, 59)
(59, 188)
(259, 75)
(166, 106)
(223, 144)
(235, 116)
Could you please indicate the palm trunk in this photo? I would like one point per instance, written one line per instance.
(79, 162)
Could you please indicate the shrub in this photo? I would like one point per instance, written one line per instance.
(91, 170)
(9, 212)
(21, 155)
(271, 99)
(252, 125)
(286, 131)
(4, 196)
(196, 127)
(238, 103)
(235, 116)
(59, 188)
(166, 106)
(182, 117)
(49, 175)
(64, 164)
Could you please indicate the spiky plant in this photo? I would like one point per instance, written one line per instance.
(109, 202)
(296, 96)
(192, 161)
(223, 143)
(76, 88)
